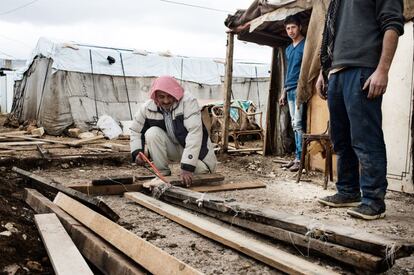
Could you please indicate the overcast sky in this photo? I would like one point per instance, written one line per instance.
(152, 25)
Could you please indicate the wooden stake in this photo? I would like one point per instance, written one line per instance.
(227, 90)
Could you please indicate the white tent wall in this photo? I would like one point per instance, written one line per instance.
(75, 98)
(6, 91)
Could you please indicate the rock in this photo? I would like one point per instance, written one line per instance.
(38, 132)
(6, 233)
(24, 236)
(33, 265)
(173, 245)
(3, 169)
(65, 165)
(86, 135)
(11, 269)
(74, 132)
(10, 226)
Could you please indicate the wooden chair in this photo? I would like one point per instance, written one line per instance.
(325, 141)
(247, 124)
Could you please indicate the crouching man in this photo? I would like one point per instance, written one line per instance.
(170, 126)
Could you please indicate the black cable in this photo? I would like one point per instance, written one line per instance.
(194, 6)
(126, 86)
(18, 8)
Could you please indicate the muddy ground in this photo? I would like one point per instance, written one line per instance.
(22, 252)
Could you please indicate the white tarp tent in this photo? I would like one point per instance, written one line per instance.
(68, 84)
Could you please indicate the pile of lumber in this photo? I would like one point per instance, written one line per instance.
(361, 250)
(12, 142)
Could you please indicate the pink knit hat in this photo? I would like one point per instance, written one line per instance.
(167, 84)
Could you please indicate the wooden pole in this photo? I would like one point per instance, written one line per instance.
(227, 90)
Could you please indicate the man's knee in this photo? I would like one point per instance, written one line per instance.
(153, 133)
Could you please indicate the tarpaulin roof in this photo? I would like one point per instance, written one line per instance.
(93, 59)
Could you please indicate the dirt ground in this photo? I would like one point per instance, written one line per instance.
(22, 252)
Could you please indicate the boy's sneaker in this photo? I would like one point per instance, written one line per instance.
(339, 200)
(295, 167)
(288, 165)
(365, 212)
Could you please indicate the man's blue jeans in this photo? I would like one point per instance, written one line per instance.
(296, 119)
(357, 137)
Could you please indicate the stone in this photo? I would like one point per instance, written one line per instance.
(38, 132)
(74, 132)
(86, 135)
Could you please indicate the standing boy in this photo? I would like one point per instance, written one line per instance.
(294, 54)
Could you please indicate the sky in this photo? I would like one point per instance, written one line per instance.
(151, 25)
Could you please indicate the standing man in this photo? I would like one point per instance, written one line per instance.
(359, 43)
(294, 54)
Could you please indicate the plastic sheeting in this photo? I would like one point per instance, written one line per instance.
(85, 59)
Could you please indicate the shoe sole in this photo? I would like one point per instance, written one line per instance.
(345, 204)
(365, 217)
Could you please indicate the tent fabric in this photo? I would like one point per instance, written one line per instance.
(311, 63)
(61, 99)
(78, 59)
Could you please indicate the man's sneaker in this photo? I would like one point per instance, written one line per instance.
(365, 212)
(288, 165)
(295, 167)
(339, 200)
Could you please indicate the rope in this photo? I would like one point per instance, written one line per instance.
(93, 85)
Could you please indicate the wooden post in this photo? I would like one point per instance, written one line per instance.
(272, 113)
(227, 90)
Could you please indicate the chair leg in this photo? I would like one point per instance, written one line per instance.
(302, 158)
(330, 163)
(326, 176)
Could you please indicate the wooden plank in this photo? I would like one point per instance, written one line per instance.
(103, 190)
(360, 260)
(263, 252)
(198, 179)
(76, 143)
(94, 203)
(345, 236)
(119, 180)
(43, 152)
(147, 255)
(102, 255)
(13, 133)
(63, 254)
(22, 143)
(229, 186)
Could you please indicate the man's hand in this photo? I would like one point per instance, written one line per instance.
(376, 84)
(139, 161)
(187, 177)
(320, 87)
(282, 99)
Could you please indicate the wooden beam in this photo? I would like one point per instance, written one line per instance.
(360, 260)
(229, 186)
(119, 180)
(146, 254)
(63, 254)
(345, 236)
(103, 190)
(227, 90)
(76, 143)
(263, 252)
(104, 256)
(94, 203)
